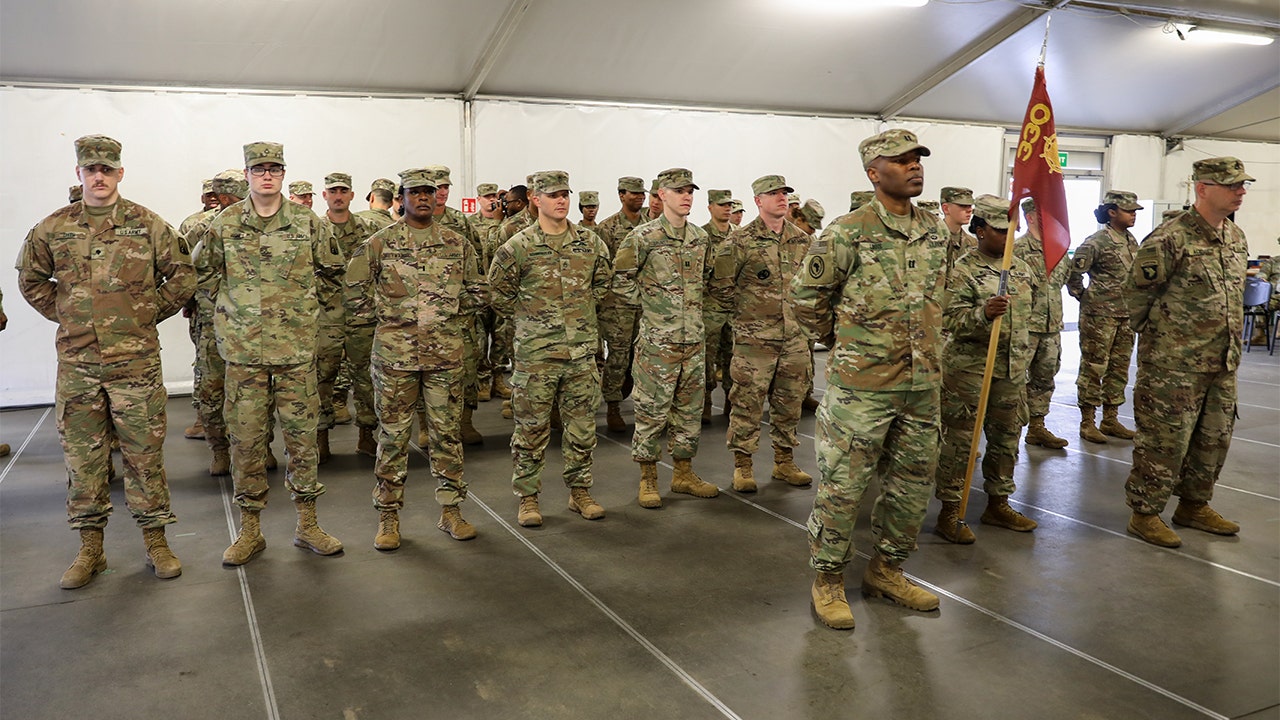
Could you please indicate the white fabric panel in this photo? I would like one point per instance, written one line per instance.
(173, 141)
(1259, 216)
(1136, 161)
(963, 155)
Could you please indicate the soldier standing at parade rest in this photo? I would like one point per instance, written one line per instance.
(588, 206)
(264, 264)
(956, 209)
(1186, 302)
(808, 217)
(715, 315)
(661, 269)
(209, 208)
(487, 217)
(771, 353)
(548, 279)
(107, 270)
(380, 199)
(302, 193)
(872, 289)
(735, 212)
(1044, 328)
(426, 288)
(1106, 341)
(618, 321)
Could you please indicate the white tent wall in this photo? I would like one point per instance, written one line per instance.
(1259, 217)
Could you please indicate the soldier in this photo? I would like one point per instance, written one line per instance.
(520, 215)
(1106, 341)
(661, 269)
(872, 287)
(588, 205)
(735, 212)
(1186, 301)
(808, 217)
(206, 207)
(1044, 328)
(488, 210)
(487, 217)
(718, 347)
(264, 264)
(973, 303)
(793, 203)
(426, 285)
(548, 278)
(349, 231)
(380, 199)
(931, 206)
(770, 350)
(858, 198)
(196, 430)
(956, 209)
(618, 322)
(302, 193)
(208, 198)
(107, 270)
(655, 202)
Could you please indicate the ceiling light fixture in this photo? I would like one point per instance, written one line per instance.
(1196, 33)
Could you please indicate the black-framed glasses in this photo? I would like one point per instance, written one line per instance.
(1234, 187)
(260, 170)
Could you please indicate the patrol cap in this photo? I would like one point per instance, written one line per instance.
(381, 184)
(97, 150)
(417, 177)
(956, 195)
(1121, 199)
(719, 197)
(630, 183)
(993, 210)
(890, 143)
(931, 205)
(231, 182)
(589, 198)
(75, 193)
(858, 198)
(1170, 214)
(793, 199)
(486, 189)
(1028, 206)
(529, 180)
(769, 183)
(549, 181)
(442, 175)
(301, 187)
(653, 187)
(333, 180)
(735, 206)
(206, 187)
(1218, 170)
(675, 178)
(258, 153)
(812, 213)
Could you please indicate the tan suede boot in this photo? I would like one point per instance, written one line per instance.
(648, 496)
(424, 438)
(452, 522)
(685, 480)
(271, 463)
(528, 515)
(388, 536)
(322, 446)
(506, 410)
(341, 414)
(1111, 423)
(1088, 430)
(484, 392)
(950, 527)
(501, 387)
(220, 465)
(366, 445)
(159, 557)
(786, 470)
(999, 513)
(248, 543)
(614, 418)
(1038, 434)
(1153, 530)
(706, 409)
(470, 436)
(1200, 516)
(885, 579)
(195, 432)
(829, 601)
(581, 502)
(744, 480)
(90, 560)
(310, 535)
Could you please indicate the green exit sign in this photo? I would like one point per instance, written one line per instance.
(1062, 159)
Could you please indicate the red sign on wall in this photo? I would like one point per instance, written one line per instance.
(468, 205)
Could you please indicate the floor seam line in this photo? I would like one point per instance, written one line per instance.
(13, 460)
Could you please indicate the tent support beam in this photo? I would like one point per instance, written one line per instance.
(493, 49)
(1212, 110)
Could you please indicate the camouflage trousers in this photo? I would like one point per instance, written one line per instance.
(358, 348)
(93, 401)
(209, 391)
(502, 342)
(1106, 343)
(1005, 418)
(862, 434)
(618, 326)
(1184, 423)
(253, 393)
(397, 395)
(778, 372)
(668, 395)
(719, 349)
(484, 328)
(471, 341)
(342, 383)
(329, 343)
(1046, 360)
(535, 386)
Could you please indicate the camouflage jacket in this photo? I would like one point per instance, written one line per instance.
(874, 286)
(458, 222)
(379, 218)
(504, 231)
(263, 278)
(664, 272)
(196, 219)
(752, 275)
(1046, 289)
(958, 243)
(1185, 295)
(717, 244)
(107, 288)
(349, 235)
(425, 285)
(974, 280)
(484, 228)
(551, 292)
(1106, 256)
(617, 226)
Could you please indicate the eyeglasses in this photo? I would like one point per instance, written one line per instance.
(1234, 187)
(260, 170)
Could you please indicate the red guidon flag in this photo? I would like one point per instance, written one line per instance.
(1037, 174)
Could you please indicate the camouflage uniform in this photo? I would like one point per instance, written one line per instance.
(618, 323)
(335, 371)
(107, 284)
(473, 334)
(662, 271)
(1106, 342)
(715, 314)
(1044, 323)
(503, 329)
(549, 286)
(958, 243)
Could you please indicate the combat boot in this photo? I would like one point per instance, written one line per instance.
(506, 410)
(501, 387)
(685, 480)
(556, 424)
(786, 470)
(366, 445)
(196, 431)
(1152, 529)
(1111, 423)
(388, 537)
(743, 479)
(248, 543)
(484, 393)
(271, 463)
(999, 513)
(451, 521)
(470, 436)
(220, 465)
(424, 438)
(950, 527)
(89, 561)
(885, 579)
(809, 404)
(322, 446)
(1200, 516)
(528, 515)
(159, 557)
(1088, 430)
(829, 601)
(581, 502)
(706, 409)
(341, 415)
(648, 496)
(1038, 434)
(614, 418)
(4, 449)
(310, 535)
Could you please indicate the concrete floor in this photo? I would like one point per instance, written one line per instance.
(698, 610)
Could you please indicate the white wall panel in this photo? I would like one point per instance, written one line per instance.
(1259, 217)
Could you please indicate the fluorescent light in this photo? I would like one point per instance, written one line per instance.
(1210, 35)
(855, 5)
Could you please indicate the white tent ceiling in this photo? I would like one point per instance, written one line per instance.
(1110, 66)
